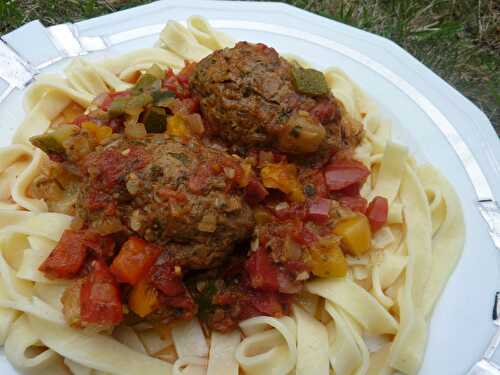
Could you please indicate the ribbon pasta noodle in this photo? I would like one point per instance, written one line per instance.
(389, 293)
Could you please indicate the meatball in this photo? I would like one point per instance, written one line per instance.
(184, 198)
(249, 97)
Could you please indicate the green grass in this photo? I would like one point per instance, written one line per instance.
(458, 39)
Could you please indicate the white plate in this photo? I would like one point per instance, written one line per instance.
(461, 325)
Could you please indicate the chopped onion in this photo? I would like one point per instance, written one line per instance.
(135, 220)
(293, 250)
(286, 285)
(304, 275)
(229, 172)
(281, 206)
(133, 184)
(254, 245)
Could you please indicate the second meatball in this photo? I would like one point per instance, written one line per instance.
(251, 97)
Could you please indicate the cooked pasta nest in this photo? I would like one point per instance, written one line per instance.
(373, 321)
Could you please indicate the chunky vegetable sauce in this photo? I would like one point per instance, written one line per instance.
(216, 192)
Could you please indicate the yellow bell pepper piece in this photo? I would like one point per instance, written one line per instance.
(103, 132)
(283, 177)
(327, 261)
(355, 233)
(100, 132)
(176, 126)
(143, 299)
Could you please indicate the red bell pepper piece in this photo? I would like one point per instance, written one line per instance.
(324, 111)
(100, 301)
(343, 173)
(134, 260)
(377, 212)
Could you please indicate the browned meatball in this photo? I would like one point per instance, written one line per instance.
(248, 97)
(184, 198)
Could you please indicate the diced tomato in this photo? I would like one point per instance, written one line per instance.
(304, 236)
(192, 105)
(377, 213)
(255, 192)
(343, 173)
(100, 300)
(324, 111)
(198, 181)
(179, 84)
(293, 212)
(318, 181)
(263, 273)
(67, 258)
(186, 72)
(169, 73)
(111, 165)
(95, 200)
(164, 278)
(106, 102)
(318, 210)
(267, 303)
(184, 302)
(358, 204)
(81, 119)
(134, 260)
(169, 194)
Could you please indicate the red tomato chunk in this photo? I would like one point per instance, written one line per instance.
(68, 257)
(344, 173)
(165, 279)
(319, 210)
(263, 273)
(377, 213)
(268, 303)
(111, 165)
(100, 300)
(354, 203)
(255, 192)
(134, 260)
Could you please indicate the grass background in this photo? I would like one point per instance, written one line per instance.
(458, 39)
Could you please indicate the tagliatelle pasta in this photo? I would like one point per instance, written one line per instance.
(388, 293)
